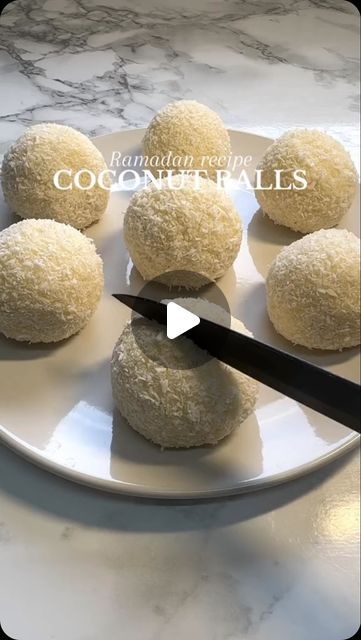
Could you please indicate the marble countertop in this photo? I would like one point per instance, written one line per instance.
(282, 563)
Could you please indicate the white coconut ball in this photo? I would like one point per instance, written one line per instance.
(28, 171)
(51, 281)
(187, 128)
(330, 174)
(181, 227)
(169, 404)
(313, 290)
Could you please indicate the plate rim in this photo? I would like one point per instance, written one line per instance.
(141, 491)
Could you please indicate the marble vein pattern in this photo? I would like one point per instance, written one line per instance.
(265, 66)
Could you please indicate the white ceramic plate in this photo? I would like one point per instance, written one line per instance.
(56, 405)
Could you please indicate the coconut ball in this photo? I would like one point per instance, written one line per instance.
(28, 171)
(180, 227)
(184, 129)
(178, 407)
(51, 280)
(330, 174)
(313, 290)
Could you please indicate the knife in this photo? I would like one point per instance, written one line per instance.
(325, 392)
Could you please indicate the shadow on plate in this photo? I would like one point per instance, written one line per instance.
(7, 217)
(263, 232)
(115, 261)
(13, 350)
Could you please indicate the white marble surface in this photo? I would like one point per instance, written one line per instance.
(264, 65)
(278, 564)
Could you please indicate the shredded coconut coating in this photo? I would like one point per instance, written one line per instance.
(331, 181)
(190, 229)
(187, 128)
(313, 290)
(173, 407)
(51, 281)
(28, 170)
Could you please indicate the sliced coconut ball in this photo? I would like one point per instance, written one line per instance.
(169, 404)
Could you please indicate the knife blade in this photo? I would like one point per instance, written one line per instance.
(312, 386)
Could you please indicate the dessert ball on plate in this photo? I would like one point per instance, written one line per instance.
(182, 228)
(330, 174)
(28, 171)
(51, 280)
(187, 128)
(313, 290)
(170, 404)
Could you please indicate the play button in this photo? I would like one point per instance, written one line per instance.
(179, 320)
(168, 345)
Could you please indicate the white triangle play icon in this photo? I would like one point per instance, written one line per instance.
(179, 320)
